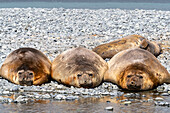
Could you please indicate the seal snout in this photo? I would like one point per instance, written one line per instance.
(25, 77)
(85, 80)
(134, 82)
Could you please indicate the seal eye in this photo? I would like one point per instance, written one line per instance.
(140, 77)
(129, 76)
(30, 73)
(78, 75)
(19, 73)
(91, 75)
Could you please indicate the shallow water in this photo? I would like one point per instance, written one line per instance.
(92, 104)
(87, 5)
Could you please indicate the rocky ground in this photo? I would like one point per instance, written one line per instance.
(53, 31)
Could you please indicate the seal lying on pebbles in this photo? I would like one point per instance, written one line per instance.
(26, 66)
(136, 69)
(79, 67)
(108, 50)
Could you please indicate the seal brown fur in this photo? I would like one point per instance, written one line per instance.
(136, 69)
(108, 50)
(26, 66)
(79, 67)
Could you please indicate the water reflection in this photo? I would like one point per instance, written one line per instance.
(139, 103)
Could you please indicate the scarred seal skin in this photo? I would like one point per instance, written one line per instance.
(79, 67)
(26, 66)
(108, 50)
(136, 69)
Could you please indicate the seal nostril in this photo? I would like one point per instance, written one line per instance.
(129, 76)
(91, 75)
(78, 75)
(141, 77)
(30, 73)
(20, 73)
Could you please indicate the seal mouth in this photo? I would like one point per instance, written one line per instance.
(26, 83)
(133, 87)
(86, 85)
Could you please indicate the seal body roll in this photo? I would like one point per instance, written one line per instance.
(136, 69)
(26, 66)
(108, 50)
(79, 67)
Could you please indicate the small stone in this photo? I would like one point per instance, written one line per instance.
(5, 92)
(20, 99)
(161, 103)
(105, 93)
(168, 92)
(77, 93)
(131, 100)
(123, 100)
(127, 102)
(71, 97)
(159, 99)
(112, 94)
(10, 100)
(108, 101)
(150, 100)
(167, 104)
(109, 108)
(46, 96)
(156, 103)
(143, 95)
(129, 95)
(15, 88)
(1, 98)
(107, 59)
(60, 97)
(164, 94)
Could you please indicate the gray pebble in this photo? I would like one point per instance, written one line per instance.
(164, 94)
(20, 99)
(71, 97)
(159, 99)
(126, 102)
(46, 96)
(129, 95)
(5, 92)
(60, 97)
(15, 88)
(109, 108)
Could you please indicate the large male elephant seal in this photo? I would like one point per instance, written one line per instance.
(108, 50)
(79, 67)
(26, 66)
(136, 69)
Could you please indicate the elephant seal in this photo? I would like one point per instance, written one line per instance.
(108, 50)
(26, 66)
(79, 67)
(136, 69)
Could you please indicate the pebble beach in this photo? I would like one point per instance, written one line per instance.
(54, 30)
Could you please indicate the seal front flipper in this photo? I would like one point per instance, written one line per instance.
(109, 78)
